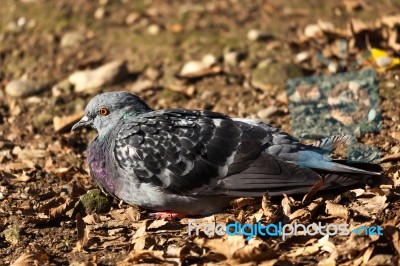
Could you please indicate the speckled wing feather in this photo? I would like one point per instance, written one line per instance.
(178, 149)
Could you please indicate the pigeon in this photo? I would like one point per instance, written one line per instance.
(195, 162)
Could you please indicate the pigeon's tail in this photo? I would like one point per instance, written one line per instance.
(277, 177)
(343, 166)
(364, 173)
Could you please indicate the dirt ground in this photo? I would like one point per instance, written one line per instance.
(228, 56)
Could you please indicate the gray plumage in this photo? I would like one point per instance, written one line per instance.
(195, 162)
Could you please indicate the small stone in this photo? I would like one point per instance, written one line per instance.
(72, 38)
(267, 112)
(192, 67)
(153, 29)
(209, 60)
(22, 88)
(301, 57)
(141, 85)
(62, 87)
(152, 73)
(282, 97)
(100, 13)
(21, 22)
(12, 27)
(371, 115)
(275, 74)
(256, 35)
(313, 31)
(326, 26)
(332, 68)
(132, 18)
(92, 80)
(231, 58)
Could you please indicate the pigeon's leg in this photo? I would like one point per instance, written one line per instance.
(167, 215)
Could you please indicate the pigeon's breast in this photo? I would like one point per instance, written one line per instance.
(99, 170)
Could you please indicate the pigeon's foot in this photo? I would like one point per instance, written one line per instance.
(167, 215)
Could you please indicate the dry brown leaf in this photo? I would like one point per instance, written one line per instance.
(83, 234)
(392, 231)
(353, 245)
(250, 253)
(394, 39)
(143, 242)
(353, 5)
(287, 204)
(304, 251)
(142, 256)
(314, 205)
(226, 245)
(58, 211)
(242, 202)
(269, 262)
(22, 177)
(130, 214)
(271, 211)
(142, 229)
(35, 255)
(91, 219)
(382, 259)
(336, 210)
(18, 166)
(300, 215)
(31, 154)
(327, 262)
(322, 244)
(369, 205)
(391, 157)
(178, 251)
(91, 262)
(391, 21)
(367, 255)
(64, 123)
(157, 224)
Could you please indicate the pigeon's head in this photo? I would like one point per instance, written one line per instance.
(106, 109)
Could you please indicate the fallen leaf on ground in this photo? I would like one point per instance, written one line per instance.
(83, 233)
(35, 255)
(336, 210)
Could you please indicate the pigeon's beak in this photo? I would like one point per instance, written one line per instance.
(84, 122)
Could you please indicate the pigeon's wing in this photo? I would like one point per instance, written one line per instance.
(206, 153)
(185, 150)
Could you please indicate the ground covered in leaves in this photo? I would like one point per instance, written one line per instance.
(230, 56)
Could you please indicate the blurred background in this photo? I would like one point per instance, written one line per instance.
(228, 56)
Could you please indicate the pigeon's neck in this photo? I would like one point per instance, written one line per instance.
(138, 110)
(105, 131)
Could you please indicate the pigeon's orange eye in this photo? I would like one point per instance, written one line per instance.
(104, 111)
